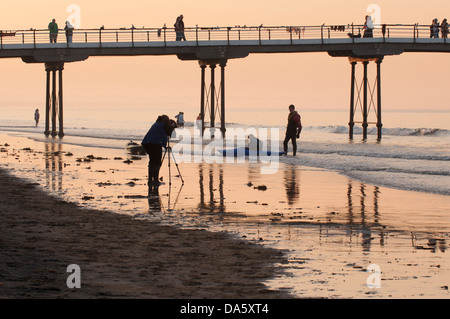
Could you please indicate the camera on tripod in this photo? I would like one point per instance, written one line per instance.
(169, 127)
(169, 124)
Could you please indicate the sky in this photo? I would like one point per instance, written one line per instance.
(411, 81)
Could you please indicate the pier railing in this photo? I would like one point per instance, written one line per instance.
(33, 38)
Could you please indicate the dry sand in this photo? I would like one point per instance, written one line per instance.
(119, 257)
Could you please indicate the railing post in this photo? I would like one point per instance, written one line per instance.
(259, 30)
(321, 33)
(132, 37)
(290, 34)
(100, 37)
(34, 38)
(165, 44)
(196, 35)
(228, 35)
(414, 33)
(353, 33)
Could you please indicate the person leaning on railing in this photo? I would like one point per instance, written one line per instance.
(53, 27)
(444, 28)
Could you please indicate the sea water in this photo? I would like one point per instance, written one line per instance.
(414, 153)
(330, 226)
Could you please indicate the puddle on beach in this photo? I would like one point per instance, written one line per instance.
(330, 227)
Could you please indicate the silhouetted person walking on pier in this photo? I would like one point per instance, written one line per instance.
(293, 130)
(179, 29)
(444, 28)
(53, 27)
(434, 29)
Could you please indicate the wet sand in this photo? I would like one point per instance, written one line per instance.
(119, 257)
(322, 230)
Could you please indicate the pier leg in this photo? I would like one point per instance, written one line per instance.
(379, 124)
(53, 102)
(54, 99)
(209, 98)
(202, 99)
(61, 126)
(47, 103)
(351, 123)
(222, 100)
(365, 124)
(213, 99)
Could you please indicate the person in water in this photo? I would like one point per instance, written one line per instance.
(293, 130)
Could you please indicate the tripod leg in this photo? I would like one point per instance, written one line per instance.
(176, 164)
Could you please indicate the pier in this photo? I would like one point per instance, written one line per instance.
(214, 47)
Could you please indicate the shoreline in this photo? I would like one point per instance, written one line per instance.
(329, 228)
(119, 256)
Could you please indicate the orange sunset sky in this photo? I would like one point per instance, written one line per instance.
(411, 81)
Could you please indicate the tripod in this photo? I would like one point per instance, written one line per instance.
(169, 150)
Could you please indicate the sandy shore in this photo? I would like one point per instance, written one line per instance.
(119, 257)
(330, 229)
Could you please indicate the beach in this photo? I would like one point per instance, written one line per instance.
(227, 231)
(119, 257)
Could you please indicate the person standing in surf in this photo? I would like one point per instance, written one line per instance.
(36, 116)
(293, 130)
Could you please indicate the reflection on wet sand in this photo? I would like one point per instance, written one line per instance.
(291, 184)
(211, 206)
(53, 166)
(331, 227)
(154, 199)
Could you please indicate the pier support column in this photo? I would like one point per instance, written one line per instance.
(351, 123)
(365, 88)
(379, 124)
(365, 114)
(212, 101)
(202, 99)
(223, 64)
(54, 99)
(208, 98)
